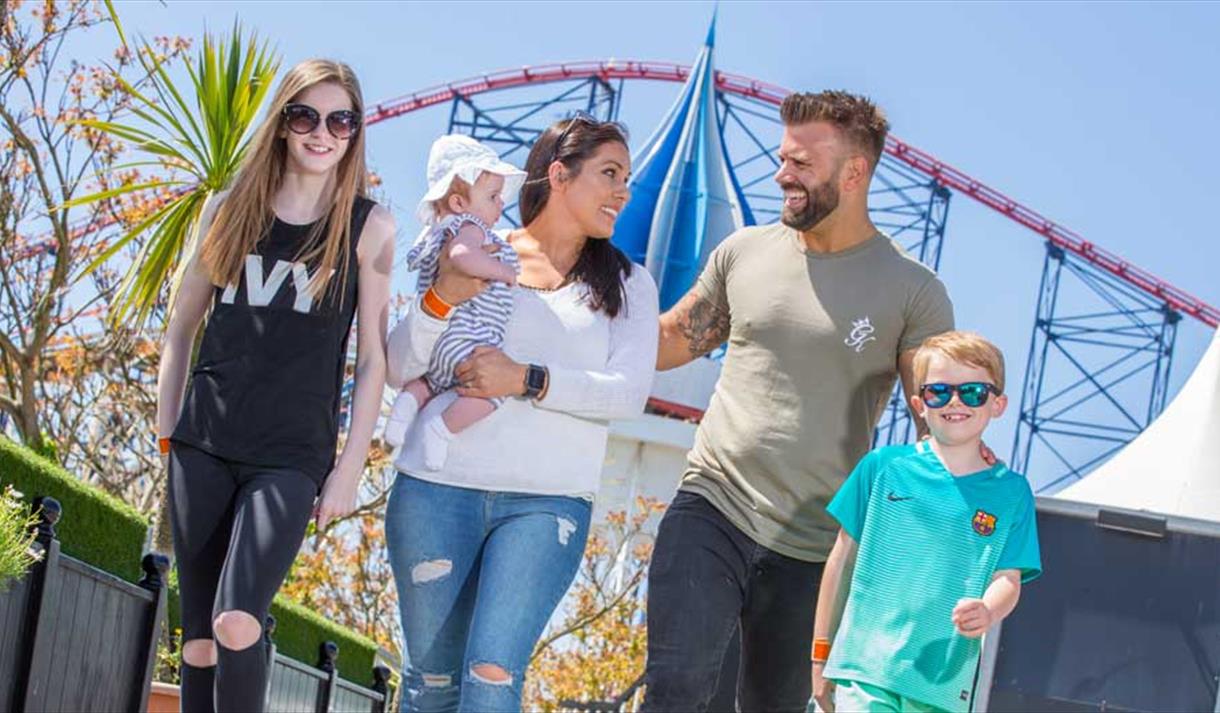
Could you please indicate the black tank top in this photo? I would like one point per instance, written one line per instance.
(265, 388)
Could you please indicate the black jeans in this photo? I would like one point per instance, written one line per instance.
(707, 579)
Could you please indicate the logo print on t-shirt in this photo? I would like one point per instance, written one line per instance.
(861, 334)
(983, 522)
(259, 292)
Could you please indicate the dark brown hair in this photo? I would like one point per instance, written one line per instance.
(601, 265)
(860, 120)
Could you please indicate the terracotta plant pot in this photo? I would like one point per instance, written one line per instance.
(163, 698)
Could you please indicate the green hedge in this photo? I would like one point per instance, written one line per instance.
(95, 526)
(299, 632)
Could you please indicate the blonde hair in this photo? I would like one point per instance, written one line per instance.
(964, 348)
(457, 187)
(246, 212)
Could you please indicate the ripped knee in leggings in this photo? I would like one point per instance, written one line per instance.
(236, 630)
(200, 653)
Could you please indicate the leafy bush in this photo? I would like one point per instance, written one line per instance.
(298, 631)
(16, 537)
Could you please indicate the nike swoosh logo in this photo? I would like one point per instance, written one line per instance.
(898, 498)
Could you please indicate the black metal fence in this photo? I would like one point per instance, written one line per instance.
(293, 686)
(75, 638)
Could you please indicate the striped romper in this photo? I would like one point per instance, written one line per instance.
(479, 321)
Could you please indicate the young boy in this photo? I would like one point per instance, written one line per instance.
(934, 543)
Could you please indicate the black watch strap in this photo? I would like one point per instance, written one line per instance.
(535, 381)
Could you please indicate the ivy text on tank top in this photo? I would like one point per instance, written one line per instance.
(266, 386)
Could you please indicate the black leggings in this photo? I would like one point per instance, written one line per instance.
(237, 529)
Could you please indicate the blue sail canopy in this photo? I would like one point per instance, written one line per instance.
(684, 197)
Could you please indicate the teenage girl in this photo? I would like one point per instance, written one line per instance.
(286, 259)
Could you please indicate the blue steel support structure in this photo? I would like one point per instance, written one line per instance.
(1093, 380)
(1097, 372)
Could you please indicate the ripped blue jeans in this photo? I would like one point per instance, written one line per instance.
(479, 574)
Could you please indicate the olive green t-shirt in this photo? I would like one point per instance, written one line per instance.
(812, 357)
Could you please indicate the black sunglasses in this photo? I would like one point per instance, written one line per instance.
(972, 393)
(303, 119)
(582, 116)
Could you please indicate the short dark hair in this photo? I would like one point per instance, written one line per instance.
(860, 120)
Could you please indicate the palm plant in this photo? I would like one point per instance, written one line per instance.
(201, 135)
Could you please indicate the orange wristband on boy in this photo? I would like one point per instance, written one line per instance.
(821, 650)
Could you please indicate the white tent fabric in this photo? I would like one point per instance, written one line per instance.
(1173, 467)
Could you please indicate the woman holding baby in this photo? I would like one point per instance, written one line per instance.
(502, 447)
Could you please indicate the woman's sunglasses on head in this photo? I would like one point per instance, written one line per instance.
(972, 393)
(303, 119)
(578, 116)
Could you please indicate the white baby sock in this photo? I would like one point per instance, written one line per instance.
(401, 415)
(435, 440)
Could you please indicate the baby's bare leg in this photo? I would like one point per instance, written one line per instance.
(465, 412)
(466, 252)
(419, 389)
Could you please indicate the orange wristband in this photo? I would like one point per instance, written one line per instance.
(163, 445)
(435, 306)
(821, 650)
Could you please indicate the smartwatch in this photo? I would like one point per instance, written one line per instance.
(535, 381)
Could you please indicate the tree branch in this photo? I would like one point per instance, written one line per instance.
(10, 406)
(589, 619)
(41, 312)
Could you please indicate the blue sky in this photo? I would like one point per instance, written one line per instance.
(1097, 115)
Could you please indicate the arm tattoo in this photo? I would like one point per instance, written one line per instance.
(706, 326)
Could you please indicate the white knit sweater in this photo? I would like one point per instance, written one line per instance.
(600, 369)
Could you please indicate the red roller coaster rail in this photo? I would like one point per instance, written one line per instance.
(921, 161)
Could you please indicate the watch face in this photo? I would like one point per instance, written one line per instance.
(535, 377)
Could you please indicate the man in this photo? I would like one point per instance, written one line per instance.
(821, 313)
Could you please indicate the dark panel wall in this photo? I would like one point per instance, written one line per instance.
(1117, 621)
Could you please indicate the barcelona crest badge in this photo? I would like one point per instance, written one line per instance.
(984, 523)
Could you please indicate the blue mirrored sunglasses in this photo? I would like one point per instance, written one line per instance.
(972, 393)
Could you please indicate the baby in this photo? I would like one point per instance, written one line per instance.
(468, 186)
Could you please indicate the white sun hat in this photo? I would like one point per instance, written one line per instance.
(458, 155)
